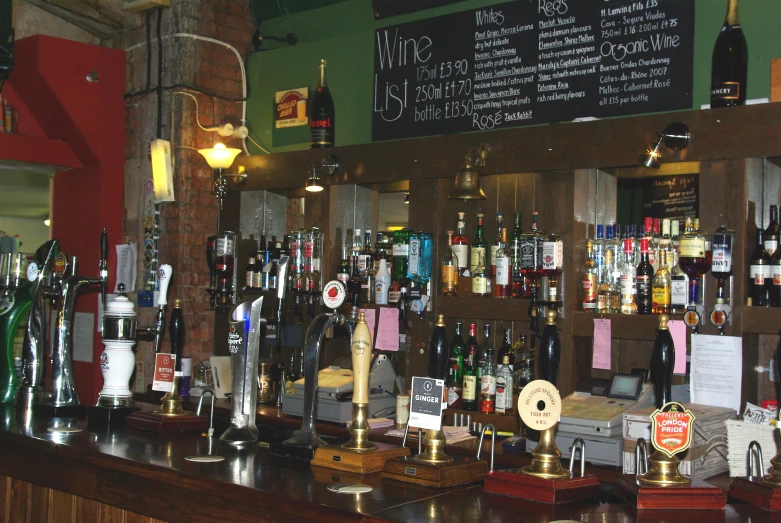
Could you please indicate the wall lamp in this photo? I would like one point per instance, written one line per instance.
(220, 157)
(329, 164)
(467, 183)
(676, 136)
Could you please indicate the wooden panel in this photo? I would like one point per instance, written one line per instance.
(109, 514)
(762, 320)
(39, 503)
(62, 507)
(19, 501)
(85, 510)
(5, 492)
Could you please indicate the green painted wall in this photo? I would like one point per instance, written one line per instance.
(343, 34)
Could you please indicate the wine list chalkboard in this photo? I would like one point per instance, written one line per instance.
(532, 62)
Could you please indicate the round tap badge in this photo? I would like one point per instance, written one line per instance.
(334, 294)
(539, 405)
(671, 428)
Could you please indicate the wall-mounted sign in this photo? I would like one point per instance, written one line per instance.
(291, 108)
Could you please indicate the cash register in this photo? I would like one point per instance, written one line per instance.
(595, 413)
(334, 393)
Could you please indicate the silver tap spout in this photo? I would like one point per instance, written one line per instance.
(307, 436)
(246, 332)
(34, 345)
(103, 266)
(282, 266)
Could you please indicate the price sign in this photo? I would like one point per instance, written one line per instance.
(426, 403)
(164, 372)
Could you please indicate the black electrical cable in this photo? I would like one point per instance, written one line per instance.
(159, 75)
(148, 49)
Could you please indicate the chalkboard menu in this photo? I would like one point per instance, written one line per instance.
(532, 62)
(674, 197)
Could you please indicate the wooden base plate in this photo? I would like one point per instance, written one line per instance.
(158, 423)
(756, 492)
(459, 471)
(515, 484)
(339, 458)
(696, 496)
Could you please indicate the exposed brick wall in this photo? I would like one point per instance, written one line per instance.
(186, 223)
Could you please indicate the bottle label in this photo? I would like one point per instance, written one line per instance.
(760, 273)
(627, 284)
(342, 277)
(501, 394)
(250, 279)
(469, 390)
(257, 280)
(223, 246)
(661, 296)
(488, 384)
(401, 249)
(479, 285)
(692, 247)
(528, 253)
(494, 248)
(475, 259)
(726, 90)
(453, 396)
(381, 291)
(414, 256)
(589, 284)
(364, 262)
(394, 296)
(461, 252)
(614, 302)
(601, 302)
(448, 276)
(722, 253)
(775, 273)
(771, 246)
(552, 255)
(321, 130)
(503, 270)
(678, 292)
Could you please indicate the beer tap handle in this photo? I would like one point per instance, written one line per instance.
(282, 265)
(103, 267)
(164, 278)
(176, 326)
(550, 349)
(662, 361)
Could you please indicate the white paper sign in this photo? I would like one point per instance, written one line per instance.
(716, 370)
(426, 403)
(83, 327)
(126, 266)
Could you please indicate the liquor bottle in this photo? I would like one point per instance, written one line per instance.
(515, 238)
(644, 277)
(382, 283)
(608, 294)
(648, 234)
(355, 285)
(666, 244)
(660, 288)
(322, 118)
(449, 269)
(721, 259)
(461, 246)
(531, 256)
(503, 268)
(775, 275)
(552, 268)
(730, 62)
(456, 364)
(438, 352)
(420, 253)
(693, 257)
(497, 242)
(518, 283)
(759, 273)
(589, 280)
(366, 255)
(343, 272)
(611, 244)
(628, 280)
(469, 387)
(481, 285)
(599, 247)
(772, 232)
(478, 247)
(522, 373)
(400, 255)
(504, 387)
(487, 388)
(291, 374)
(369, 282)
(506, 348)
(487, 353)
(250, 271)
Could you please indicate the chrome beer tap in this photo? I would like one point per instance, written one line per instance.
(158, 330)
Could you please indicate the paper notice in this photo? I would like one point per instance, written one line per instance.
(602, 335)
(678, 332)
(83, 325)
(126, 266)
(388, 330)
(371, 319)
(716, 370)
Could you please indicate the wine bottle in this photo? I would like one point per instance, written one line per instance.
(438, 350)
(469, 388)
(730, 62)
(759, 273)
(321, 115)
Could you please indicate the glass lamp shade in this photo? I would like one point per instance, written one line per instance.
(219, 156)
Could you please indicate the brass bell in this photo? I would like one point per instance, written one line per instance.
(467, 184)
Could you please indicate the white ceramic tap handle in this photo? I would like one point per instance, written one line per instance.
(165, 278)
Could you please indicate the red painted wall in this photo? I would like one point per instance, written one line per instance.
(50, 82)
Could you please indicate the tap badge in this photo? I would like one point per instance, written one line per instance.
(672, 428)
(334, 294)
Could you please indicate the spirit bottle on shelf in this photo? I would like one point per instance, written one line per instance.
(461, 246)
(628, 280)
(759, 273)
(401, 255)
(775, 275)
(515, 239)
(772, 231)
(487, 377)
(456, 365)
(469, 386)
(504, 387)
(608, 299)
(449, 269)
(599, 247)
(481, 283)
(531, 257)
(478, 247)
(366, 256)
(693, 259)
(357, 247)
(382, 282)
(660, 288)
(506, 349)
(589, 280)
(552, 268)
(343, 272)
(503, 272)
(497, 242)
(721, 259)
(250, 271)
(644, 281)
(355, 285)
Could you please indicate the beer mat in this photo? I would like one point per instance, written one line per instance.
(205, 459)
(63, 430)
(377, 423)
(341, 488)
(452, 434)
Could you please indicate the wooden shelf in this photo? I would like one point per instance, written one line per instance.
(762, 320)
(623, 326)
(506, 309)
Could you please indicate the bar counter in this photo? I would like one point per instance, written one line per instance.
(130, 475)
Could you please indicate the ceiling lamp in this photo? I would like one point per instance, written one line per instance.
(329, 164)
(676, 136)
(313, 184)
(467, 183)
(219, 157)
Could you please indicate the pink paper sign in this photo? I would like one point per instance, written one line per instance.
(388, 329)
(602, 335)
(371, 319)
(678, 332)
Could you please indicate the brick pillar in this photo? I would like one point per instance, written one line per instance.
(186, 223)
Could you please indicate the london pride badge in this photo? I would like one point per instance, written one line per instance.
(672, 428)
